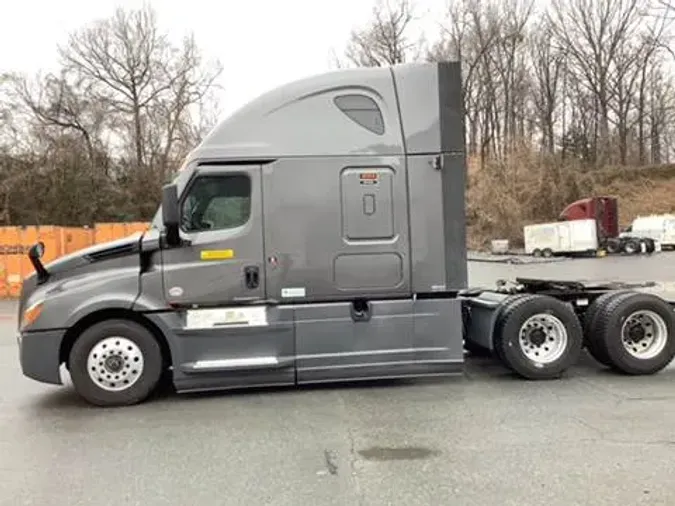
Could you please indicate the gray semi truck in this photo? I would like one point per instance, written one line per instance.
(317, 235)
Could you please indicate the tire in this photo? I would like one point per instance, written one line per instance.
(613, 246)
(562, 328)
(548, 253)
(650, 246)
(499, 321)
(594, 345)
(632, 247)
(656, 348)
(133, 344)
(536, 253)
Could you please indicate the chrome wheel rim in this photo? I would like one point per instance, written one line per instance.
(644, 334)
(543, 338)
(115, 363)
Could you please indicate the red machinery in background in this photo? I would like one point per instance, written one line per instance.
(605, 211)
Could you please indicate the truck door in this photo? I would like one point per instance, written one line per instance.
(217, 280)
(222, 260)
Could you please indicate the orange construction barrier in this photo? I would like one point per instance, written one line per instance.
(16, 241)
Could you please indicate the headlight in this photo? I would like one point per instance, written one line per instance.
(31, 314)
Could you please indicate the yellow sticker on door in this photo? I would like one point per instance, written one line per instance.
(217, 254)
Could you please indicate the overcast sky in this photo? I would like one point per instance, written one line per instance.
(261, 43)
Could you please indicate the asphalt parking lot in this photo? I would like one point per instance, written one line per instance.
(483, 439)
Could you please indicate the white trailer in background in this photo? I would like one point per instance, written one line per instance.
(561, 238)
(659, 227)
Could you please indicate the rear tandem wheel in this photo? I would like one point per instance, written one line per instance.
(594, 347)
(538, 336)
(632, 246)
(634, 331)
(478, 350)
(613, 246)
(650, 246)
(498, 325)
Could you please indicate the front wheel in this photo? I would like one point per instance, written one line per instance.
(115, 363)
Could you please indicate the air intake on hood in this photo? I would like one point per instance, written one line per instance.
(110, 253)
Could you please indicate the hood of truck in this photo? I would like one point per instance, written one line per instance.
(125, 247)
(119, 253)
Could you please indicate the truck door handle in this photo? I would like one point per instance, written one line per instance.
(252, 276)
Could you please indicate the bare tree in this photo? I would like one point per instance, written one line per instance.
(96, 139)
(489, 39)
(462, 39)
(55, 102)
(132, 67)
(149, 85)
(548, 67)
(385, 40)
(593, 32)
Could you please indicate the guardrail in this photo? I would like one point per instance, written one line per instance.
(59, 241)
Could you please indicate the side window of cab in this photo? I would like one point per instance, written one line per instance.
(216, 202)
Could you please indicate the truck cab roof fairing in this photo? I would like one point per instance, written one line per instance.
(346, 112)
(316, 116)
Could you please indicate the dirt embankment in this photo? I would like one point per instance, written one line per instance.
(502, 197)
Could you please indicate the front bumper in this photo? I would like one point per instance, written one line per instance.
(39, 355)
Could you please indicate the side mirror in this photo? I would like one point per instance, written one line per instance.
(34, 255)
(36, 251)
(171, 214)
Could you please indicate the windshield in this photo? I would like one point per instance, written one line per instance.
(180, 180)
